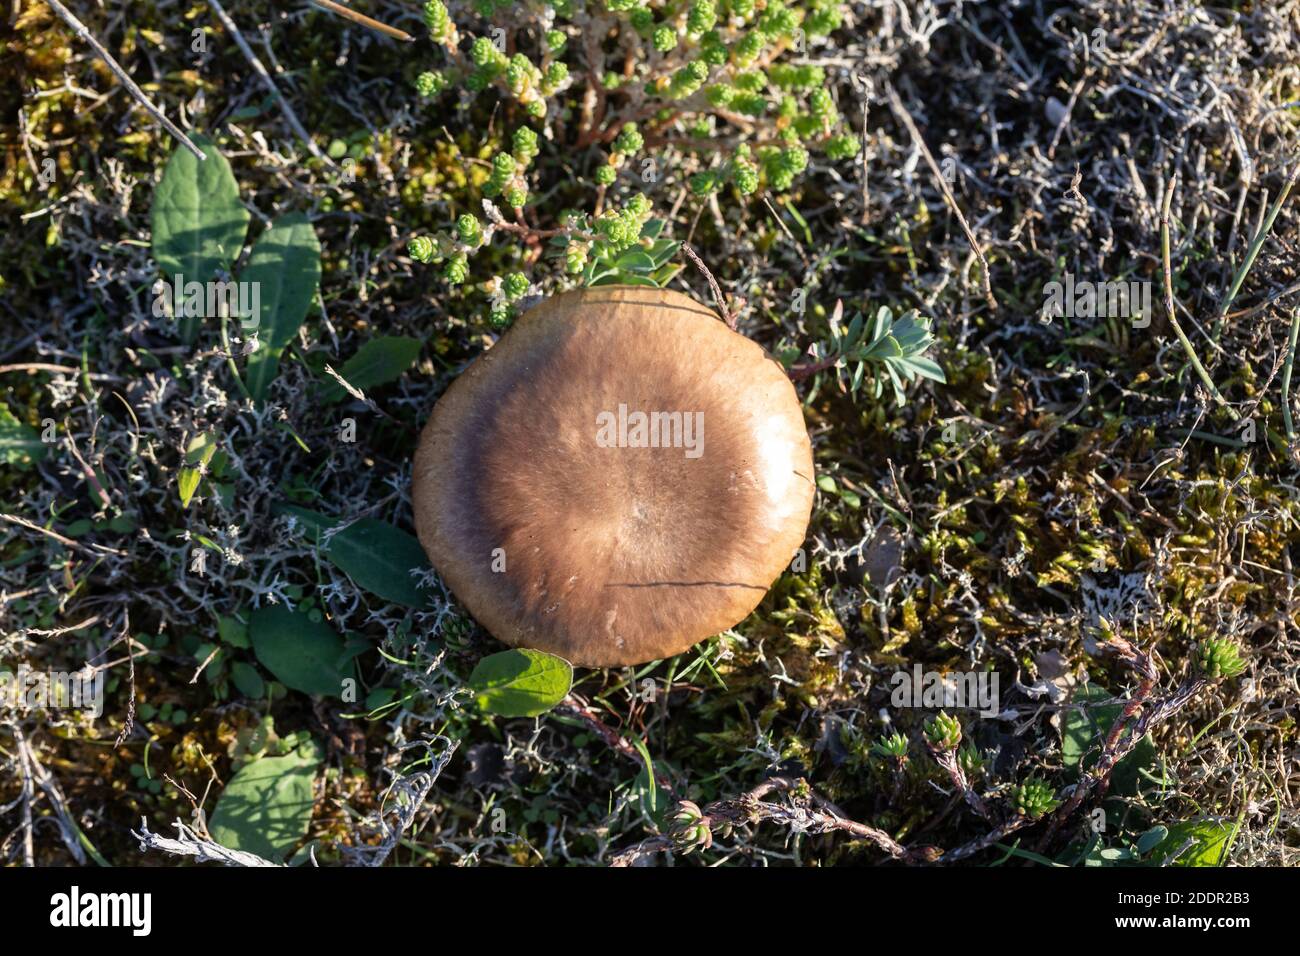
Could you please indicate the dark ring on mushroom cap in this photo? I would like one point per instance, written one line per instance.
(540, 504)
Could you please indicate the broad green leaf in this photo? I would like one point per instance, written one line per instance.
(379, 361)
(521, 682)
(1083, 724)
(198, 222)
(302, 654)
(20, 444)
(266, 808)
(313, 523)
(625, 278)
(247, 680)
(1083, 731)
(233, 631)
(285, 265)
(375, 555)
(380, 559)
(636, 260)
(1210, 843)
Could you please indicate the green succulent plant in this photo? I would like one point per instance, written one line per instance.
(1219, 658)
(943, 732)
(970, 759)
(892, 746)
(1034, 798)
(688, 828)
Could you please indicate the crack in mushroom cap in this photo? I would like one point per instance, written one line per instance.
(609, 556)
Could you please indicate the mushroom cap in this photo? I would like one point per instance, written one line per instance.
(563, 532)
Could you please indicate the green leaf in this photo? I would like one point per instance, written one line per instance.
(198, 222)
(379, 361)
(636, 260)
(198, 454)
(313, 523)
(20, 444)
(1083, 731)
(1210, 843)
(301, 653)
(1151, 839)
(521, 682)
(285, 264)
(232, 631)
(247, 680)
(375, 555)
(380, 559)
(1083, 725)
(266, 808)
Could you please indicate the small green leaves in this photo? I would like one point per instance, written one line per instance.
(943, 732)
(891, 746)
(285, 264)
(266, 808)
(688, 828)
(970, 760)
(1218, 659)
(520, 683)
(896, 347)
(198, 222)
(299, 648)
(1033, 798)
(20, 444)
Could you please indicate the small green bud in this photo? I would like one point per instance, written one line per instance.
(555, 76)
(456, 271)
(750, 48)
(701, 18)
(422, 249)
(642, 20)
(438, 21)
(824, 17)
(430, 83)
(469, 229)
(629, 140)
(842, 147)
(503, 166)
(665, 39)
(515, 286)
(484, 53)
(500, 317)
(555, 41)
(516, 196)
(575, 257)
(605, 175)
(744, 9)
(525, 145)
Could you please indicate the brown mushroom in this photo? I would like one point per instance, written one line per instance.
(619, 477)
